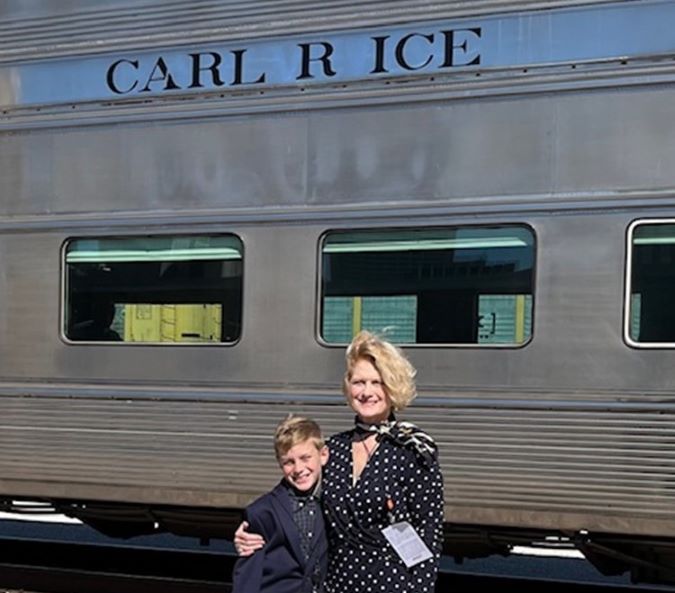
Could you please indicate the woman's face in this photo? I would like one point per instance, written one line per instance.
(367, 395)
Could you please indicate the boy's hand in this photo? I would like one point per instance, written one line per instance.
(246, 543)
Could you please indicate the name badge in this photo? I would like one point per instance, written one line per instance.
(407, 543)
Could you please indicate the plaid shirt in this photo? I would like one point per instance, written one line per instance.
(306, 506)
(305, 509)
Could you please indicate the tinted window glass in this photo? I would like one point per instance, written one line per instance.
(468, 285)
(154, 289)
(652, 284)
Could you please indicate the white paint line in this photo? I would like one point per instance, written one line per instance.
(549, 552)
(40, 518)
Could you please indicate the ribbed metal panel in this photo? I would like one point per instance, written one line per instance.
(585, 463)
(211, 452)
(562, 460)
(88, 26)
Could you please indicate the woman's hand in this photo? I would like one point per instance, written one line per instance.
(246, 543)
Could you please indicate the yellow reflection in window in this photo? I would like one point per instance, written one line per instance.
(172, 323)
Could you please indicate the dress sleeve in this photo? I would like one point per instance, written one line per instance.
(425, 505)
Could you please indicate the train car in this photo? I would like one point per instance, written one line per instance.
(201, 202)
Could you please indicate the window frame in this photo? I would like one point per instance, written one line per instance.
(628, 282)
(400, 228)
(63, 301)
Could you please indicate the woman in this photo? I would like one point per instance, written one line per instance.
(381, 472)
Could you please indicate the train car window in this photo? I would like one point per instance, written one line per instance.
(468, 285)
(180, 289)
(650, 316)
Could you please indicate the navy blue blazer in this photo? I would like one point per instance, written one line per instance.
(280, 566)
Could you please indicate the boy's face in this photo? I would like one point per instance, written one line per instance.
(302, 465)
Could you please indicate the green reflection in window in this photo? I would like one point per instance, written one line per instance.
(652, 284)
(468, 285)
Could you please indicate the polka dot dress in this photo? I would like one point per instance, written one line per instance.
(361, 560)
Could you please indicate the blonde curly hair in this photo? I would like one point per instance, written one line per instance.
(398, 375)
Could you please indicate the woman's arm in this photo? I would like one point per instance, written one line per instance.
(425, 505)
(247, 543)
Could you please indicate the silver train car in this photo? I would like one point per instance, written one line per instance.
(201, 202)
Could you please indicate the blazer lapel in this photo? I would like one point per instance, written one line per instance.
(284, 507)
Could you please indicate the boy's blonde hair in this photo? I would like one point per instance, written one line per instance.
(398, 375)
(295, 430)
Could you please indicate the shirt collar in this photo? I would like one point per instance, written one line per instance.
(295, 494)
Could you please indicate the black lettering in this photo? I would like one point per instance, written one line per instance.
(239, 69)
(110, 77)
(324, 59)
(451, 46)
(164, 75)
(400, 49)
(379, 55)
(198, 68)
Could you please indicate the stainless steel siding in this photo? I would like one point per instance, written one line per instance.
(577, 340)
(580, 146)
(79, 27)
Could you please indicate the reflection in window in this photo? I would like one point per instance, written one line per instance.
(652, 284)
(154, 289)
(468, 285)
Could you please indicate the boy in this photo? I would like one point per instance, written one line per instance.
(294, 558)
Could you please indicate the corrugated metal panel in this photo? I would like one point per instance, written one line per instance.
(593, 463)
(89, 26)
(563, 460)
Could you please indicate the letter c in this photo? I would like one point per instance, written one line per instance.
(110, 77)
(400, 51)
